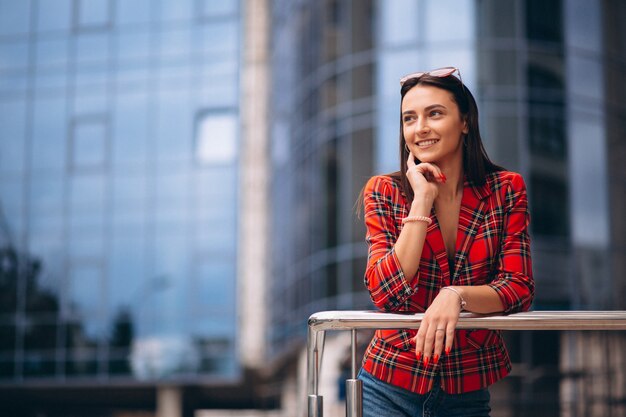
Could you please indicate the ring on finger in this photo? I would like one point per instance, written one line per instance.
(440, 330)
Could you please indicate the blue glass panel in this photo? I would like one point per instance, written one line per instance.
(92, 48)
(87, 192)
(89, 143)
(398, 21)
(85, 289)
(211, 8)
(159, 356)
(175, 43)
(175, 76)
(133, 46)
(86, 240)
(49, 133)
(93, 12)
(12, 135)
(133, 12)
(176, 9)
(11, 202)
(442, 26)
(217, 137)
(14, 85)
(133, 78)
(52, 82)
(214, 287)
(215, 327)
(216, 37)
(129, 204)
(92, 82)
(51, 53)
(46, 207)
(127, 273)
(218, 95)
(130, 129)
(54, 15)
(88, 103)
(174, 126)
(13, 55)
(87, 203)
(14, 17)
(172, 195)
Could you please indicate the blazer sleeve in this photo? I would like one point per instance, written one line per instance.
(384, 278)
(514, 277)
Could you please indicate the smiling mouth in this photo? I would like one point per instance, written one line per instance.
(425, 143)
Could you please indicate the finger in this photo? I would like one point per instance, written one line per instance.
(410, 162)
(419, 342)
(449, 336)
(430, 171)
(440, 335)
(429, 342)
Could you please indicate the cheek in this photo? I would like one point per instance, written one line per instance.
(406, 131)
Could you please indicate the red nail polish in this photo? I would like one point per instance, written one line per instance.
(448, 350)
(426, 360)
(435, 359)
(418, 355)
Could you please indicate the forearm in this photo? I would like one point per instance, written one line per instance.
(480, 299)
(411, 240)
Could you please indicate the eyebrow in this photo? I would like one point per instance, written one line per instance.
(427, 108)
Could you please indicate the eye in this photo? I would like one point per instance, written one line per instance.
(434, 113)
(408, 118)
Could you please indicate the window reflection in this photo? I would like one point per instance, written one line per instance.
(93, 13)
(216, 137)
(544, 20)
(54, 15)
(118, 191)
(14, 17)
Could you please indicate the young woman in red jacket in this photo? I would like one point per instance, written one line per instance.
(446, 233)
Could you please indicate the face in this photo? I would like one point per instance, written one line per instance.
(432, 125)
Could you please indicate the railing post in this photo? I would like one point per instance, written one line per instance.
(315, 351)
(354, 387)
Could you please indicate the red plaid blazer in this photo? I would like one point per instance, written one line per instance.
(492, 248)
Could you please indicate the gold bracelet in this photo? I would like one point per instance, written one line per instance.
(417, 219)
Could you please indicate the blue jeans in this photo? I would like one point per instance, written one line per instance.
(382, 399)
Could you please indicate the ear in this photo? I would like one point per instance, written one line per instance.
(465, 126)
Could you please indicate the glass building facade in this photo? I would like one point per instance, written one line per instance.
(322, 133)
(118, 190)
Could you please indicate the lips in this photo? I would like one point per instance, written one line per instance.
(426, 143)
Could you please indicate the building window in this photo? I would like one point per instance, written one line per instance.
(212, 9)
(92, 14)
(216, 137)
(88, 149)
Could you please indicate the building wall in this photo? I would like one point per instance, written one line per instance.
(119, 128)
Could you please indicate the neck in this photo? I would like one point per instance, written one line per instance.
(453, 187)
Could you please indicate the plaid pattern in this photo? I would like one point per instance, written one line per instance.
(492, 248)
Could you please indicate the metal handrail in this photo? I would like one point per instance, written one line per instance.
(320, 322)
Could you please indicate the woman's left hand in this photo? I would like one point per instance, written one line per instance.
(436, 332)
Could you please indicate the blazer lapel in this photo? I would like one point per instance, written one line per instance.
(434, 239)
(471, 215)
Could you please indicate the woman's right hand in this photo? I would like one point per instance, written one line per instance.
(423, 178)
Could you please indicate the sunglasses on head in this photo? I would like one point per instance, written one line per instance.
(439, 72)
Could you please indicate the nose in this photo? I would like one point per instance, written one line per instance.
(421, 126)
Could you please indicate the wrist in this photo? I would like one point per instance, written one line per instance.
(460, 293)
(421, 207)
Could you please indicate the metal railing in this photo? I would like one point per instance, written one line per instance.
(320, 322)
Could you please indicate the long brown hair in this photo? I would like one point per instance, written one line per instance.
(476, 163)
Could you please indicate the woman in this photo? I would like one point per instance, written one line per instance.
(446, 233)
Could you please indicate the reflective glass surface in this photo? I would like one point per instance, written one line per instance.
(118, 189)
